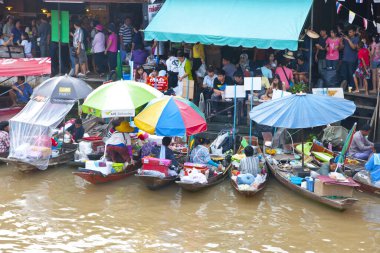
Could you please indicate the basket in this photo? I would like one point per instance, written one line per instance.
(117, 167)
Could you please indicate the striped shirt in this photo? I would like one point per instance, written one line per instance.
(249, 165)
(126, 33)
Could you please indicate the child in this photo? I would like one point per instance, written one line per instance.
(27, 44)
(249, 164)
(141, 75)
(362, 71)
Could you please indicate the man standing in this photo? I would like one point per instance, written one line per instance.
(17, 31)
(80, 51)
(361, 147)
(350, 59)
(320, 55)
(126, 34)
(44, 32)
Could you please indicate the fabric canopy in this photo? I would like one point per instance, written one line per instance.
(253, 23)
(25, 66)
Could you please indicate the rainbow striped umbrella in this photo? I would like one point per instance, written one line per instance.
(346, 145)
(171, 116)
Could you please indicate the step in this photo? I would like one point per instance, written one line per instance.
(361, 117)
(348, 95)
(365, 107)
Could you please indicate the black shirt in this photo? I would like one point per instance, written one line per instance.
(222, 86)
(322, 53)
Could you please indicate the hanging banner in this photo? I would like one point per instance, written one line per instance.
(65, 26)
(25, 67)
(338, 7)
(153, 10)
(351, 17)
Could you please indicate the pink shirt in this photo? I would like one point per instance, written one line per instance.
(113, 39)
(289, 74)
(332, 53)
(375, 52)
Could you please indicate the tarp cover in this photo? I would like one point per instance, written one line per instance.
(247, 23)
(25, 67)
(31, 131)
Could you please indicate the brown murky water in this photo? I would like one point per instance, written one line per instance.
(53, 211)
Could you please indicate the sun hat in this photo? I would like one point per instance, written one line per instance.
(124, 127)
(289, 55)
(99, 27)
(312, 34)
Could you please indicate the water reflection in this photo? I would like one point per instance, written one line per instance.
(55, 211)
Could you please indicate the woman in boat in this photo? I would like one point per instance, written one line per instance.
(76, 130)
(249, 164)
(118, 146)
(164, 152)
(200, 154)
(4, 138)
(373, 164)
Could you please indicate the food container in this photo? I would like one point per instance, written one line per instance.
(161, 165)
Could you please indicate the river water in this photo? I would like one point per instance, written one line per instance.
(54, 211)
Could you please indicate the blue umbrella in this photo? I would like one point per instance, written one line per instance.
(302, 111)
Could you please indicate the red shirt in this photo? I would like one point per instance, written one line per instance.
(363, 54)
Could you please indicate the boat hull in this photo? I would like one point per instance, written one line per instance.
(197, 187)
(155, 183)
(98, 178)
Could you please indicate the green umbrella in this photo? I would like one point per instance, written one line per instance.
(119, 99)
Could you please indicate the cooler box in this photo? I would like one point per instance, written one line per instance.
(189, 166)
(322, 189)
(161, 165)
(97, 143)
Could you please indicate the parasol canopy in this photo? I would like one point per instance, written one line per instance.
(302, 111)
(119, 99)
(171, 116)
(62, 88)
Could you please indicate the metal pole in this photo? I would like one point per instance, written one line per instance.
(59, 40)
(250, 120)
(234, 129)
(311, 45)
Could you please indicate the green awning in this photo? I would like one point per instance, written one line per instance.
(247, 23)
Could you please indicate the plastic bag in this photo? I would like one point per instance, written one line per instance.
(202, 104)
(201, 72)
(363, 177)
(334, 134)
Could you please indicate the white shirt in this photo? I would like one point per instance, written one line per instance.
(172, 64)
(209, 81)
(27, 46)
(119, 138)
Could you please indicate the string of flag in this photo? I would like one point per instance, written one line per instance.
(352, 15)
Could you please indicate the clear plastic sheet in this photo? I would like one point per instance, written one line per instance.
(31, 131)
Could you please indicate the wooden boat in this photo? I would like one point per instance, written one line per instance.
(94, 177)
(155, 183)
(340, 204)
(368, 188)
(211, 182)
(65, 157)
(250, 193)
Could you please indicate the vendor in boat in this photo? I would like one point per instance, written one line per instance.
(373, 164)
(164, 152)
(4, 138)
(118, 146)
(249, 164)
(147, 146)
(200, 154)
(361, 147)
(20, 92)
(76, 130)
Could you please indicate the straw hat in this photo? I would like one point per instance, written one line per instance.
(289, 55)
(312, 34)
(124, 127)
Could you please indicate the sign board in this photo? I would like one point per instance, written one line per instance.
(153, 10)
(252, 83)
(65, 26)
(160, 82)
(230, 91)
(332, 92)
(280, 93)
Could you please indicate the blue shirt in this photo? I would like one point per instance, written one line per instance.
(26, 90)
(374, 170)
(16, 35)
(266, 72)
(349, 54)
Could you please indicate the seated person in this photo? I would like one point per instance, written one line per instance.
(276, 85)
(4, 41)
(200, 154)
(20, 92)
(118, 146)
(164, 152)
(373, 164)
(264, 83)
(76, 130)
(4, 139)
(249, 164)
(328, 167)
(302, 71)
(220, 84)
(361, 147)
(208, 82)
(147, 145)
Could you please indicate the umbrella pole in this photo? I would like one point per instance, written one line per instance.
(234, 128)
(311, 45)
(250, 121)
(303, 154)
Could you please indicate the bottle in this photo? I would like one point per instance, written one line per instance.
(330, 146)
(304, 185)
